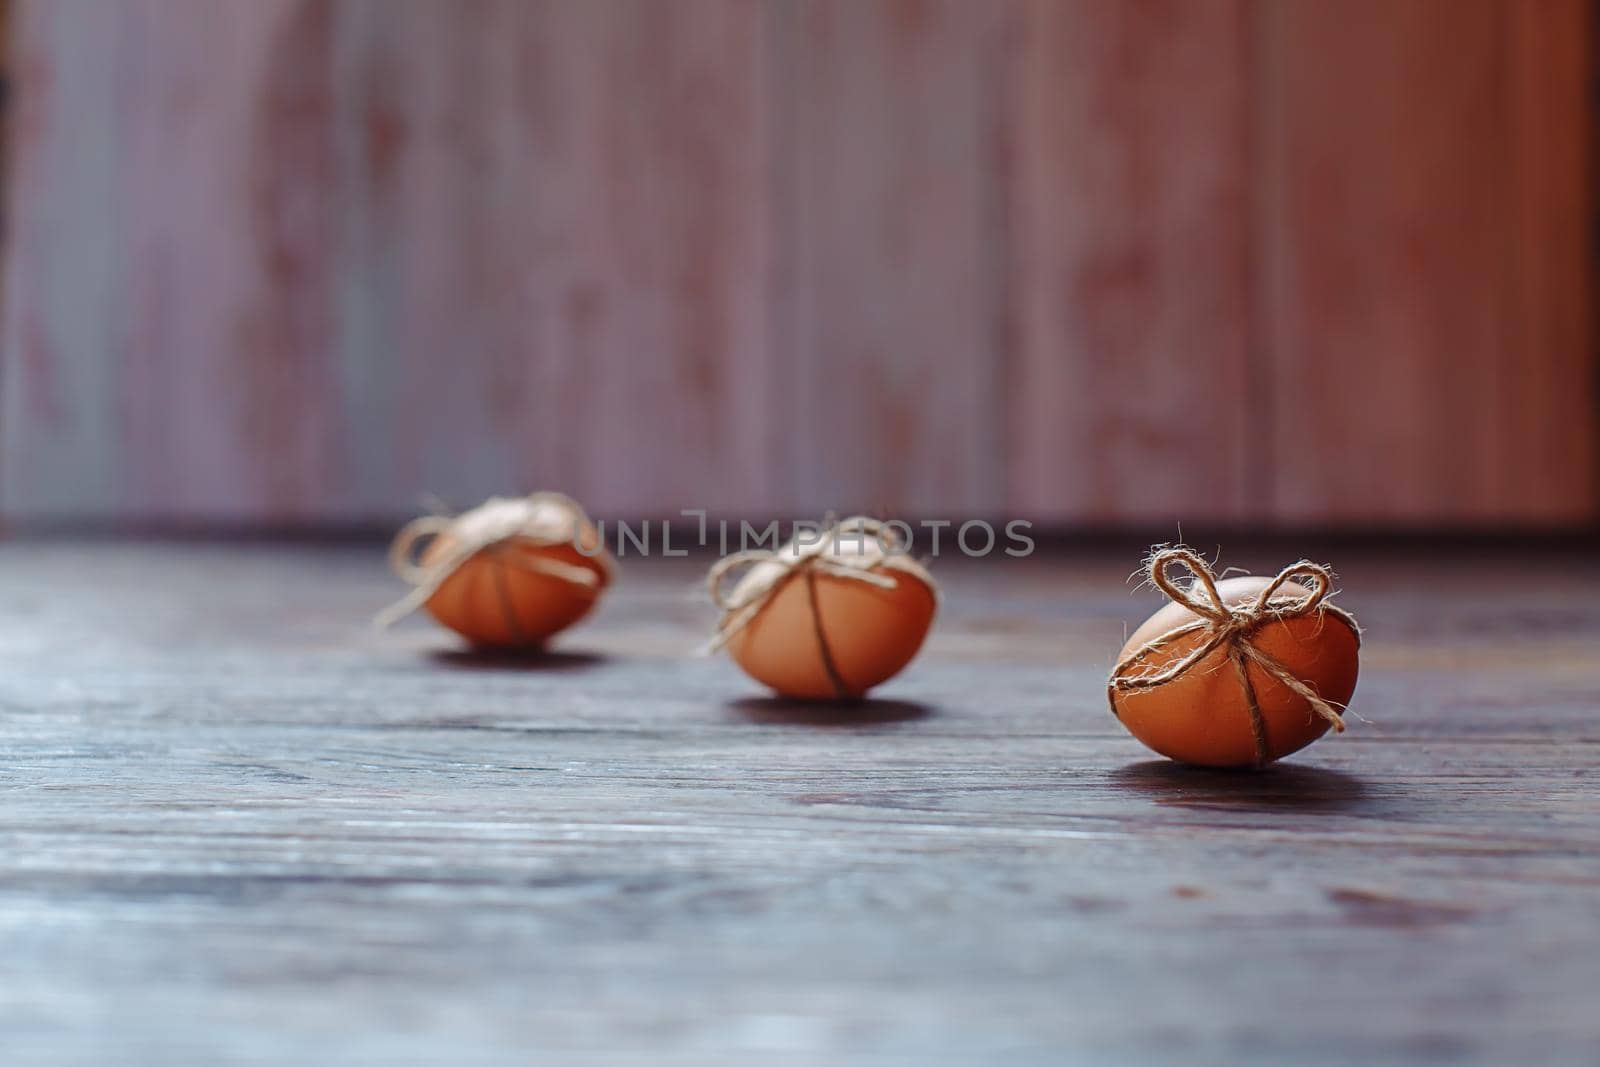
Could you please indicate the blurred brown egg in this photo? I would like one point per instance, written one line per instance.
(819, 633)
(509, 573)
(1202, 716)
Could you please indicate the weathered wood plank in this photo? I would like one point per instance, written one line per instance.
(319, 259)
(238, 820)
(1425, 187)
(1092, 262)
(893, 364)
(171, 271)
(1548, 432)
(1130, 393)
(568, 247)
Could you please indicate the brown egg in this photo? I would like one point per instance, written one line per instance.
(526, 582)
(815, 617)
(1202, 716)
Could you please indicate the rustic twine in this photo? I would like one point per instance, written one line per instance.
(491, 526)
(740, 609)
(1233, 628)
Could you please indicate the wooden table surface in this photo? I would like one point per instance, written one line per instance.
(240, 826)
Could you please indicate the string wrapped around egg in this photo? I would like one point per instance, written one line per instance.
(1236, 672)
(508, 574)
(827, 619)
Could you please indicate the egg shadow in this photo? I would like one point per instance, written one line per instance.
(832, 714)
(1282, 787)
(509, 659)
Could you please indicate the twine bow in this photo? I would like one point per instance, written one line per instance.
(1233, 628)
(740, 607)
(491, 526)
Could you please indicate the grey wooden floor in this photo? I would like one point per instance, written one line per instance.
(239, 826)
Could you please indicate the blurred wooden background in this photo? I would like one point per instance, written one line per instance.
(1089, 261)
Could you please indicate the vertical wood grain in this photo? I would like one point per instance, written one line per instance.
(168, 313)
(316, 260)
(1130, 390)
(1549, 422)
(890, 174)
(1090, 262)
(1426, 226)
(59, 399)
(563, 249)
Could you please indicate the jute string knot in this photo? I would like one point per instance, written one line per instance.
(793, 561)
(544, 519)
(1231, 628)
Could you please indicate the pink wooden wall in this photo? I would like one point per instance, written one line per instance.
(1091, 261)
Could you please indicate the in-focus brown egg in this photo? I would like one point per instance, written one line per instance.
(1202, 716)
(507, 574)
(821, 635)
